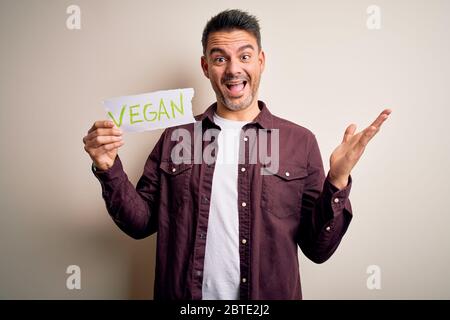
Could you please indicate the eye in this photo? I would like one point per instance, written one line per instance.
(219, 60)
(245, 57)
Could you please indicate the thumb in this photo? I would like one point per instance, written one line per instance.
(349, 132)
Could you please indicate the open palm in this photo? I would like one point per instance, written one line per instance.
(347, 154)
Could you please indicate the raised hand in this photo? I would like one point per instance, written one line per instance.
(347, 154)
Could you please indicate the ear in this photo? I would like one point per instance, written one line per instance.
(262, 60)
(204, 64)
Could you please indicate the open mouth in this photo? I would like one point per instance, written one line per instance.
(236, 87)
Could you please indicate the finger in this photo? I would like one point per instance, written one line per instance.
(349, 132)
(366, 136)
(112, 146)
(103, 148)
(381, 118)
(102, 140)
(101, 124)
(104, 132)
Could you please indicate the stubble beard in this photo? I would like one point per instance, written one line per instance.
(233, 106)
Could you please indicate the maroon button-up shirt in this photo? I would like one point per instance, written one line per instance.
(294, 206)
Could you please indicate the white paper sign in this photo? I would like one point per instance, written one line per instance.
(150, 111)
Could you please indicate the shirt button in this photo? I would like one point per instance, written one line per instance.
(243, 169)
(174, 169)
(244, 241)
(199, 273)
(287, 174)
(328, 228)
(336, 200)
(245, 139)
(244, 280)
(244, 204)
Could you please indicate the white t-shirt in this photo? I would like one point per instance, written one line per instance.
(221, 273)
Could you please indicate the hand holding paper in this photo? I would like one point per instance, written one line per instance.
(102, 142)
(148, 111)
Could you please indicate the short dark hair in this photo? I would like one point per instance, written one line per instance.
(232, 19)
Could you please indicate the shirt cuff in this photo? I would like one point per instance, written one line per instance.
(115, 172)
(339, 198)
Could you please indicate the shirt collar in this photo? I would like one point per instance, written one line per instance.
(264, 118)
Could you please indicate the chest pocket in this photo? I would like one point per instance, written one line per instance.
(282, 191)
(176, 177)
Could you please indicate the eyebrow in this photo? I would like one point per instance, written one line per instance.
(214, 50)
(247, 46)
(219, 50)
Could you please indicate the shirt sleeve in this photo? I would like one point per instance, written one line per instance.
(326, 211)
(134, 210)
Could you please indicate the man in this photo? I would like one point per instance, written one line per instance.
(230, 229)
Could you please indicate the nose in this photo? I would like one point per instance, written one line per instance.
(233, 67)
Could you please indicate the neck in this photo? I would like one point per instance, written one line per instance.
(247, 114)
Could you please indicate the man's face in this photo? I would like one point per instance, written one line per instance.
(233, 63)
